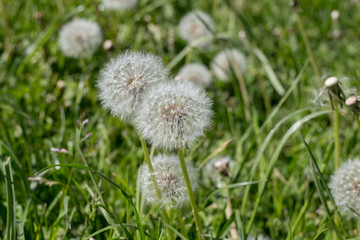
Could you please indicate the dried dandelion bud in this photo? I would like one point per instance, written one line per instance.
(334, 89)
(196, 24)
(353, 103)
(173, 114)
(222, 164)
(80, 38)
(119, 5)
(169, 177)
(345, 187)
(196, 73)
(124, 78)
(227, 61)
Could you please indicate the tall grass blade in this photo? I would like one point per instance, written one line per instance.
(10, 200)
(319, 187)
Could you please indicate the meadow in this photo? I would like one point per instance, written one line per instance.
(70, 168)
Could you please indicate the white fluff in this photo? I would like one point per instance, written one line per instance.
(124, 78)
(80, 38)
(345, 186)
(172, 115)
(226, 61)
(119, 5)
(169, 177)
(196, 73)
(192, 27)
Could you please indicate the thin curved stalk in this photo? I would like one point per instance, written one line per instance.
(190, 193)
(157, 189)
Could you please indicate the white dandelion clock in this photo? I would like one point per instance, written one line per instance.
(119, 5)
(196, 73)
(173, 114)
(124, 78)
(227, 61)
(194, 25)
(80, 38)
(169, 178)
(345, 187)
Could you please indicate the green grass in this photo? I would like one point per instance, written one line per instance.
(278, 182)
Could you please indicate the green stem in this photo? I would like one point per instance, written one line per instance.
(357, 120)
(156, 186)
(337, 135)
(190, 193)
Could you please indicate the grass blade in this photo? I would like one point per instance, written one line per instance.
(318, 184)
(275, 157)
(128, 198)
(10, 199)
(270, 72)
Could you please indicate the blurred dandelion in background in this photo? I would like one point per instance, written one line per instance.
(119, 5)
(80, 38)
(194, 25)
(226, 61)
(197, 73)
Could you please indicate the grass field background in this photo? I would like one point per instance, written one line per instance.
(45, 98)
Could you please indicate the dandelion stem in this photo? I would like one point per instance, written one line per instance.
(153, 179)
(228, 212)
(357, 120)
(337, 135)
(190, 193)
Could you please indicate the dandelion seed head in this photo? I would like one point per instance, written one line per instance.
(124, 78)
(192, 27)
(169, 177)
(80, 38)
(227, 61)
(345, 186)
(331, 81)
(173, 115)
(196, 73)
(119, 5)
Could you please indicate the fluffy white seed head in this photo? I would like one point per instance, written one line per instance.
(80, 38)
(345, 186)
(169, 177)
(227, 61)
(119, 5)
(173, 114)
(192, 27)
(124, 78)
(196, 73)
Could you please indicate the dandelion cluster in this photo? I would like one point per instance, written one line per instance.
(196, 73)
(124, 78)
(80, 38)
(345, 187)
(173, 114)
(169, 177)
(227, 61)
(196, 24)
(119, 5)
